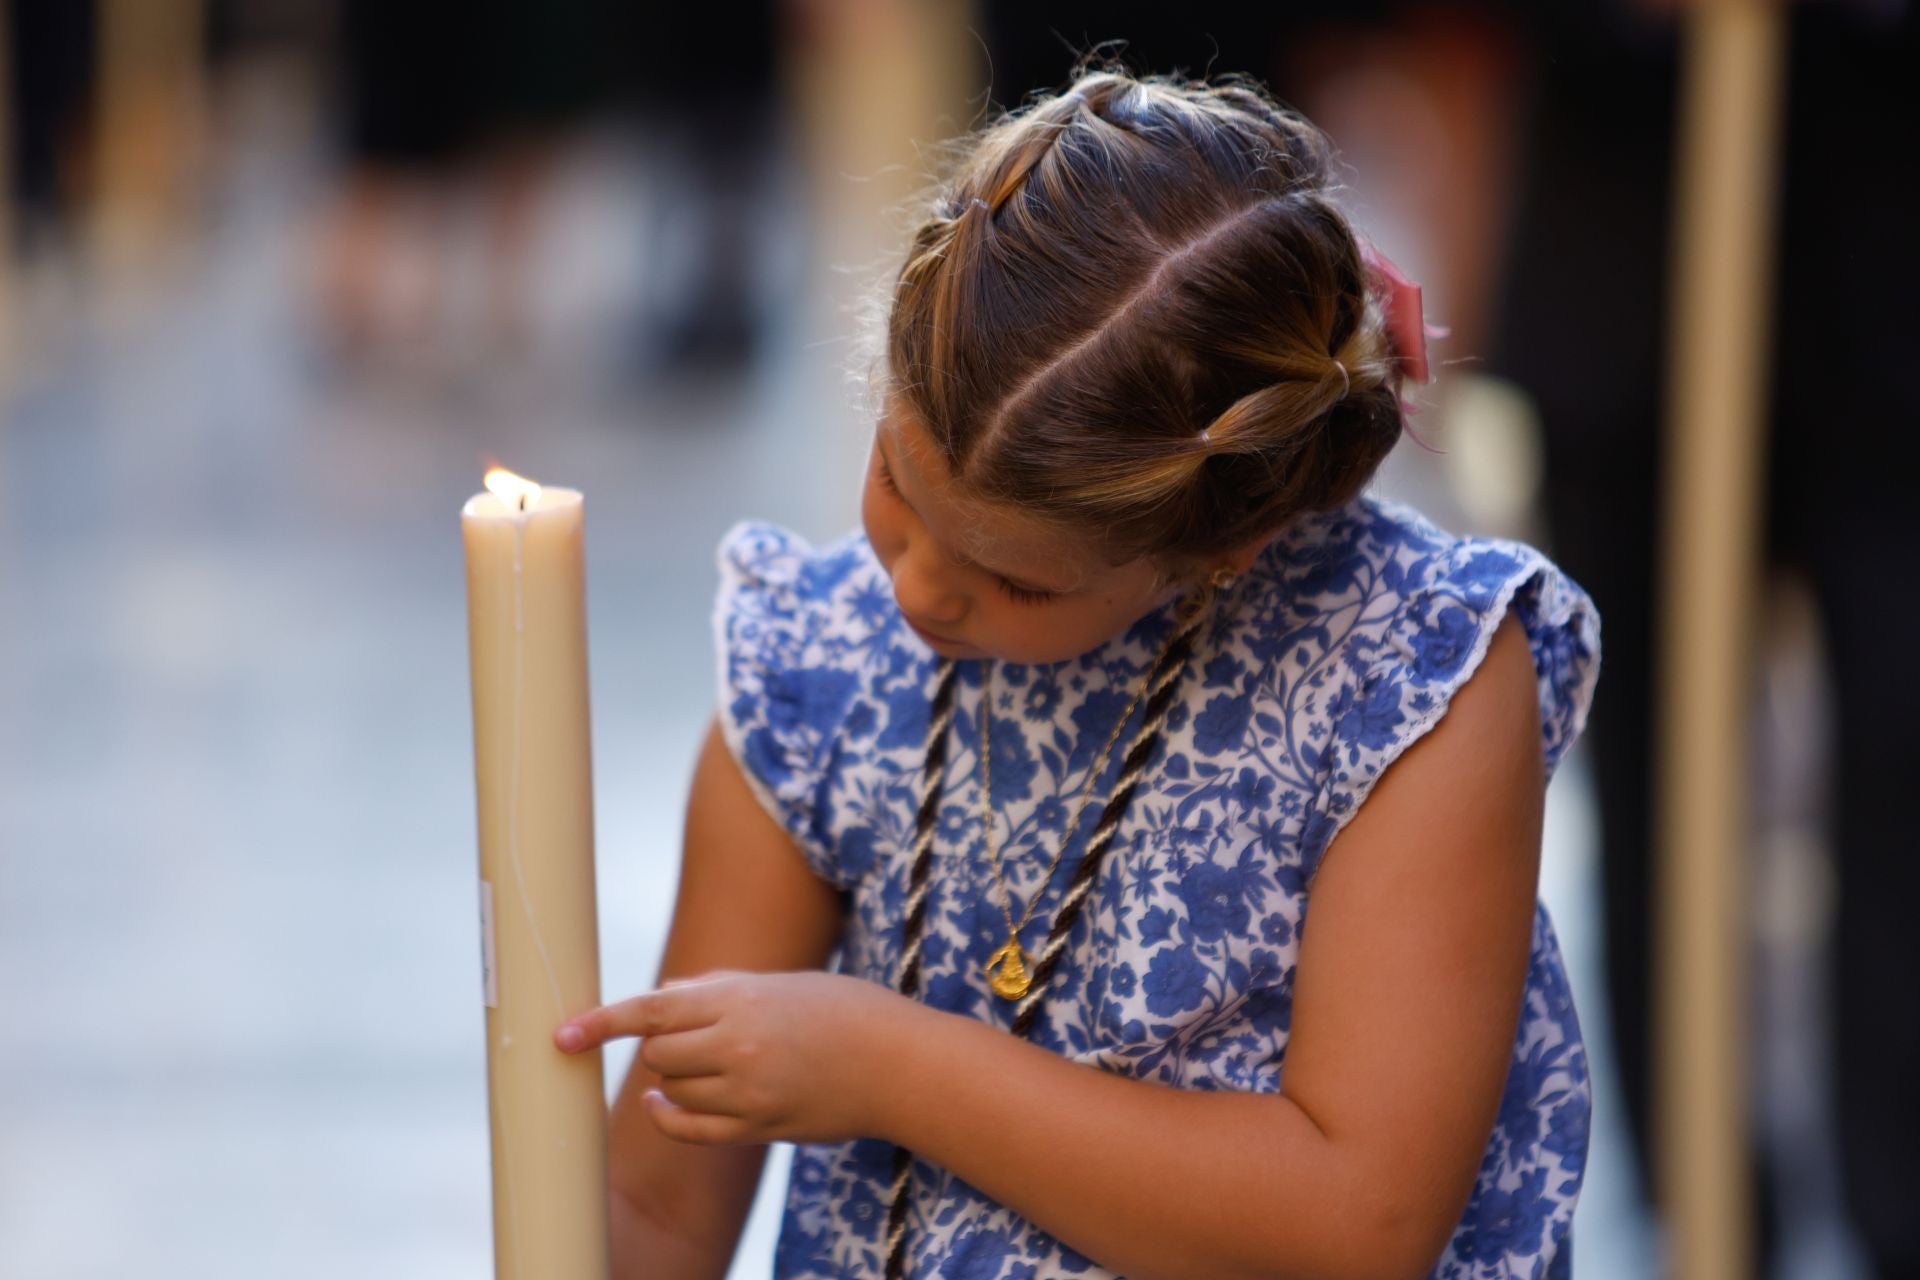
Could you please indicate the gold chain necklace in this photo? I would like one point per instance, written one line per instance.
(1008, 969)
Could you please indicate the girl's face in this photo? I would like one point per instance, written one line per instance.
(977, 580)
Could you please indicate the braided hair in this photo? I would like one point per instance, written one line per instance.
(1136, 311)
(1161, 682)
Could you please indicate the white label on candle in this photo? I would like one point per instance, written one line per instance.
(486, 945)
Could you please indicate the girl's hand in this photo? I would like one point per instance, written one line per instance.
(757, 1057)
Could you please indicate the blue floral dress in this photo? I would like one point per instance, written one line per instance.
(1340, 646)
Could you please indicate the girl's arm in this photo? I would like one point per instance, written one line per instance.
(1406, 1001)
(747, 900)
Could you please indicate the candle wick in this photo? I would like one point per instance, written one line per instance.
(523, 502)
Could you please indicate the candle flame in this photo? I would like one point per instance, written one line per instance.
(514, 490)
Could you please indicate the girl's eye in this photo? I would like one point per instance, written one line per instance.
(1023, 595)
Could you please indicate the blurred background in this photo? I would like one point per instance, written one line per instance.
(278, 278)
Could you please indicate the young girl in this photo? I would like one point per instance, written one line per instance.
(1060, 747)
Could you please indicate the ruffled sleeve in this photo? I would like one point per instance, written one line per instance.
(780, 700)
(1406, 673)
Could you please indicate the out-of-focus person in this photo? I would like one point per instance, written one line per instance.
(439, 101)
(706, 85)
(1583, 328)
(49, 77)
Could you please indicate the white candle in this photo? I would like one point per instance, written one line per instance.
(526, 629)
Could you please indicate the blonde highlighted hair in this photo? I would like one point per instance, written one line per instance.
(1133, 310)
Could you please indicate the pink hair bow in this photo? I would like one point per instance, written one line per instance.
(1407, 329)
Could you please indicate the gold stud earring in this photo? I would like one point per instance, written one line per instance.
(1222, 578)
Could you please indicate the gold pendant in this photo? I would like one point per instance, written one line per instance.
(1007, 971)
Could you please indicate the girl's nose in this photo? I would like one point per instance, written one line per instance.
(921, 586)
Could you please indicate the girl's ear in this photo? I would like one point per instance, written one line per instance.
(1190, 575)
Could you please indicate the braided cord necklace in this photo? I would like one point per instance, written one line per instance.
(1158, 688)
(1007, 972)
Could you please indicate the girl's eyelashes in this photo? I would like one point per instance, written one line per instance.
(1018, 593)
(1023, 595)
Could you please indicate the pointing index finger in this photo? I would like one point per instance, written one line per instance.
(678, 1005)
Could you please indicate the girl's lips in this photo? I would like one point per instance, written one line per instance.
(934, 635)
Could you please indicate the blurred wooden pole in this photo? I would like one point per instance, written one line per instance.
(875, 84)
(1731, 104)
(150, 101)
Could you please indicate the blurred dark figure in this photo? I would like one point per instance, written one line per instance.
(1031, 47)
(1579, 320)
(437, 96)
(1583, 328)
(1419, 96)
(705, 80)
(52, 60)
